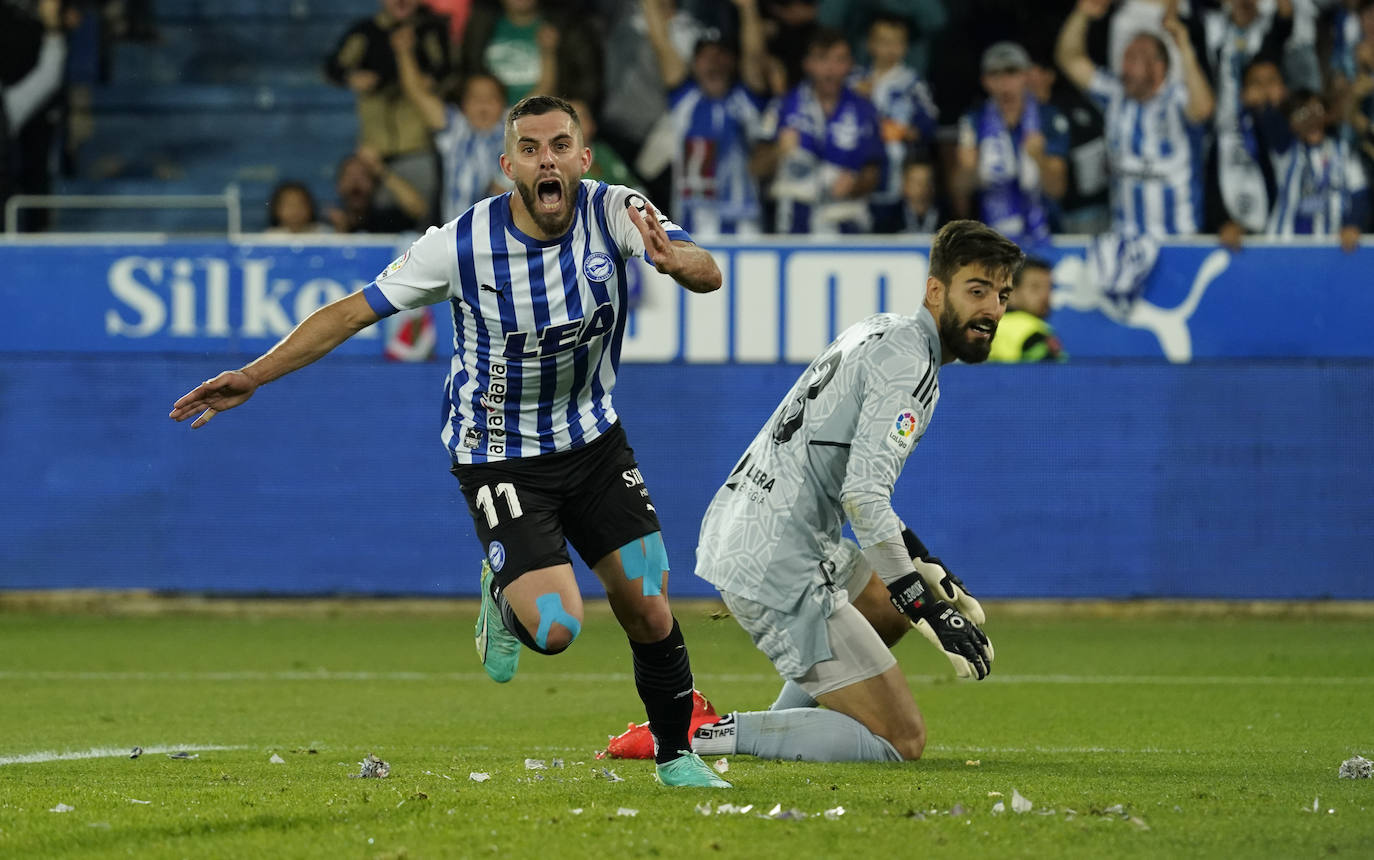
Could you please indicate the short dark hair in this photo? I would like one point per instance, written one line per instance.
(888, 19)
(283, 188)
(1300, 98)
(1029, 263)
(824, 39)
(460, 90)
(966, 243)
(538, 106)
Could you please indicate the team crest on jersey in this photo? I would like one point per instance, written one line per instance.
(497, 554)
(903, 429)
(395, 265)
(598, 267)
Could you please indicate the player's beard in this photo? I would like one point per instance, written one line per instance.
(959, 338)
(551, 223)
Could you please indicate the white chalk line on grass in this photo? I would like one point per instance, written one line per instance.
(618, 677)
(42, 756)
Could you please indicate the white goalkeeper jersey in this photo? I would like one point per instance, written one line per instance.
(836, 443)
(537, 324)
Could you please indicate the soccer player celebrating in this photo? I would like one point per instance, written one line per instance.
(536, 279)
(821, 609)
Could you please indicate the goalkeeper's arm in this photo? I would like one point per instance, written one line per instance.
(944, 584)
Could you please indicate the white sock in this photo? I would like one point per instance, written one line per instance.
(716, 738)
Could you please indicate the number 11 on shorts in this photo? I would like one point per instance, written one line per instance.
(487, 505)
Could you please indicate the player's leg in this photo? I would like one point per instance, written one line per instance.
(529, 593)
(874, 603)
(834, 656)
(613, 525)
(867, 594)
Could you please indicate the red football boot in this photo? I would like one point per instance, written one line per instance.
(638, 742)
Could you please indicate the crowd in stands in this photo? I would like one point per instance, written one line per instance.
(1135, 119)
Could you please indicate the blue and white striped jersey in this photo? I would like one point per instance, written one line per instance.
(1320, 189)
(903, 100)
(471, 162)
(1155, 155)
(713, 190)
(537, 324)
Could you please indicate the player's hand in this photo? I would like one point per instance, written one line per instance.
(949, 588)
(959, 639)
(660, 249)
(231, 388)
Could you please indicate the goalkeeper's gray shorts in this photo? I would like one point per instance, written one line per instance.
(823, 643)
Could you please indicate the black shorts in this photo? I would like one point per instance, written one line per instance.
(523, 508)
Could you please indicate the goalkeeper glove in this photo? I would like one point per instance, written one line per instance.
(943, 584)
(958, 638)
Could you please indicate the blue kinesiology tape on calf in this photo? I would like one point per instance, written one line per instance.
(646, 559)
(551, 612)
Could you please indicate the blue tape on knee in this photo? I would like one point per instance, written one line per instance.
(646, 559)
(551, 612)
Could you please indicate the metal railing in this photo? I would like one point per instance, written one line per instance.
(229, 200)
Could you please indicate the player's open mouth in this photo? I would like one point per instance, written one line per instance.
(983, 328)
(550, 193)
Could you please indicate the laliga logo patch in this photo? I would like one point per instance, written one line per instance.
(395, 265)
(902, 430)
(598, 267)
(497, 554)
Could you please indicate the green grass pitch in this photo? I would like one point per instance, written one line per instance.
(1215, 736)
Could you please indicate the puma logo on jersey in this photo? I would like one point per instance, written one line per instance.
(499, 291)
(557, 337)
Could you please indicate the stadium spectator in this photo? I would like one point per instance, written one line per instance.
(1083, 208)
(792, 24)
(1011, 150)
(826, 152)
(923, 20)
(357, 181)
(533, 53)
(291, 209)
(33, 66)
(1151, 124)
(607, 165)
(1238, 197)
(715, 109)
(468, 136)
(388, 122)
(1322, 189)
(920, 211)
(908, 114)
(1024, 334)
(634, 110)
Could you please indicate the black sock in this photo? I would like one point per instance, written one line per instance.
(512, 621)
(663, 677)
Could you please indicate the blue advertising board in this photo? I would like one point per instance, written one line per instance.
(1119, 474)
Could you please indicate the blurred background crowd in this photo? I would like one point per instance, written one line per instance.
(1137, 118)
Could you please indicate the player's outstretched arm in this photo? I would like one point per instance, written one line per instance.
(685, 262)
(317, 334)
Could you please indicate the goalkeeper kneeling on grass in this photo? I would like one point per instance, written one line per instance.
(823, 609)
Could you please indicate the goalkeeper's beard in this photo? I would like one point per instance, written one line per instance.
(957, 336)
